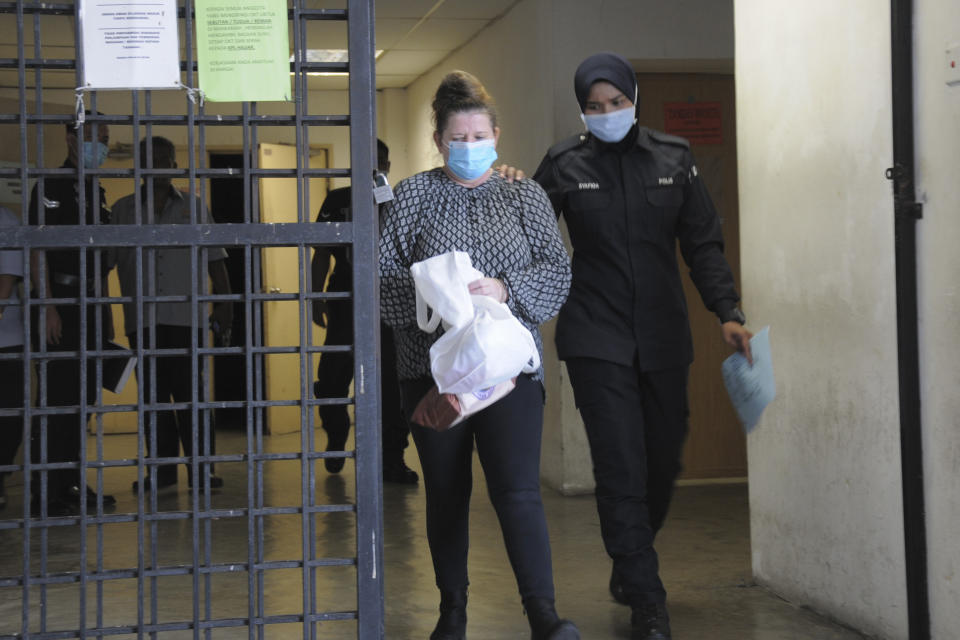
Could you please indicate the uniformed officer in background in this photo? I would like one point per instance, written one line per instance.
(59, 275)
(628, 195)
(335, 370)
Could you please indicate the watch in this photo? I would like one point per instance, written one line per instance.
(733, 315)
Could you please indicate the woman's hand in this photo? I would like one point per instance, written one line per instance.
(737, 336)
(490, 287)
(510, 173)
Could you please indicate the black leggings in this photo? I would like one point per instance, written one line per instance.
(507, 435)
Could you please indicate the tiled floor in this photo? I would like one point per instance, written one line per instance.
(704, 551)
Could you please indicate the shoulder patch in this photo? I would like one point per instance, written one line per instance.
(567, 144)
(666, 138)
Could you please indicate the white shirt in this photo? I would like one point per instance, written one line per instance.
(172, 271)
(11, 263)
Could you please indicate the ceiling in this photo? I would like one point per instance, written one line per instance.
(414, 36)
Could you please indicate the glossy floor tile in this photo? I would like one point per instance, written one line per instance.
(704, 551)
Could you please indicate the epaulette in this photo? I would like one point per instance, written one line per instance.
(667, 138)
(567, 144)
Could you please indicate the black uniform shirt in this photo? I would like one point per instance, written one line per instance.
(626, 205)
(61, 206)
(336, 208)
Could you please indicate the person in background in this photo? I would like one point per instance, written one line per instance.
(335, 371)
(170, 324)
(629, 195)
(56, 273)
(11, 344)
(511, 234)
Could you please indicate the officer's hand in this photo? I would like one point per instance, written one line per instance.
(511, 173)
(54, 326)
(320, 313)
(223, 314)
(737, 336)
(490, 287)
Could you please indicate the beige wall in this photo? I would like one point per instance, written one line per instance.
(816, 220)
(937, 134)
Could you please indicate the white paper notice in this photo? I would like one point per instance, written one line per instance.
(751, 388)
(130, 44)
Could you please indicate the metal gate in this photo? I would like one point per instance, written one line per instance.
(251, 559)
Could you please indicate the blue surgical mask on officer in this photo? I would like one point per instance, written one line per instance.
(612, 126)
(94, 154)
(470, 160)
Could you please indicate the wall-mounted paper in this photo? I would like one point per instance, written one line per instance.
(131, 44)
(243, 50)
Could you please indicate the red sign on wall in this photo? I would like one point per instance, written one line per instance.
(698, 122)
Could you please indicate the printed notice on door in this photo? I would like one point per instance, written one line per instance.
(243, 51)
(698, 122)
(130, 44)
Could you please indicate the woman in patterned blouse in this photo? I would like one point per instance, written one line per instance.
(510, 232)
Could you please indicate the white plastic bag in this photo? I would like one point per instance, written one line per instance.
(491, 348)
(442, 284)
(484, 344)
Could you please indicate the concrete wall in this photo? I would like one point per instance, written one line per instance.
(515, 76)
(816, 220)
(937, 24)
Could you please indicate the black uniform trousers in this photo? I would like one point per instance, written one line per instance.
(636, 423)
(11, 397)
(174, 428)
(65, 432)
(507, 435)
(335, 372)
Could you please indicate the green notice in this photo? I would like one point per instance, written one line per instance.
(243, 50)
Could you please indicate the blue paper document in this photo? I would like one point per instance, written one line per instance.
(751, 388)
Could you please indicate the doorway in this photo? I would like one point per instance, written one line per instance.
(701, 108)
(226, 207)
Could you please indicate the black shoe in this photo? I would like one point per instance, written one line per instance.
(616, 588)
(650, 622)
(336, 442)
(216, 482)
(108, 500)
(161, 484)
(452, 624)
(3, 494)
(68, 502)
(399, 473)
(545, 624)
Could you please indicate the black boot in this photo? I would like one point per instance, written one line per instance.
(650, 622)
(452, 624)
(545, 624)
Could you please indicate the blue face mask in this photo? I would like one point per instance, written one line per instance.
(470, 160)
(610, 127)
(94, 154)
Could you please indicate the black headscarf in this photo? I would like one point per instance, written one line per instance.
(604, 66)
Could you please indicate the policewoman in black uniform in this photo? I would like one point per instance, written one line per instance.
(628, 195)
(59, 204)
